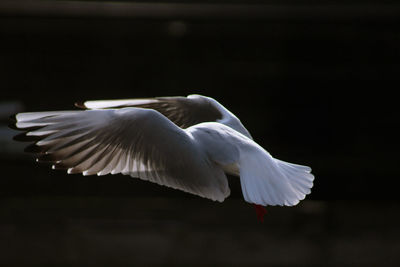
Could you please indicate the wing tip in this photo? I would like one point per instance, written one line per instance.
(12, 122)
(80, 104)
(22, 137)
(33, 148)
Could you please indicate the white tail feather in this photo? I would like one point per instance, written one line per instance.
(269, 181)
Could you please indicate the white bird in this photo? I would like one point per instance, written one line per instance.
(187, 143)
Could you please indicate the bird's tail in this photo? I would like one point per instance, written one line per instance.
(269, 181)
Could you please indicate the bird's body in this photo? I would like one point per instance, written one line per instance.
(186, 143)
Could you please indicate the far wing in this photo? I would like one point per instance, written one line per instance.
(183, 111)
(132, 141)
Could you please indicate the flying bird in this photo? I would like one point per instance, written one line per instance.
(187, 143)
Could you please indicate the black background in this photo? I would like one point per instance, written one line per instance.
(314, 82)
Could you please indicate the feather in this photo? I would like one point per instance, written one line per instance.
(186, 143)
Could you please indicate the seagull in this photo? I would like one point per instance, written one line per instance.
(186, 143)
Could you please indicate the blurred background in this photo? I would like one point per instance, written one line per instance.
(314, 82)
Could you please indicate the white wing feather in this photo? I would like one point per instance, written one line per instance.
(102, 104)
(132, 141)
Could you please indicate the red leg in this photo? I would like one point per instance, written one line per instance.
(260, 211)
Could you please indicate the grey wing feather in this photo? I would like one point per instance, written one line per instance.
(183, 111)
(132, 141)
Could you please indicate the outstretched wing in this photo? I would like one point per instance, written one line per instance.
(183, 111)
(132, 141)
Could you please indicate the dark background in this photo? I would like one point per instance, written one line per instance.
(313, 81)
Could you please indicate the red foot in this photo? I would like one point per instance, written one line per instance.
(260, 211)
